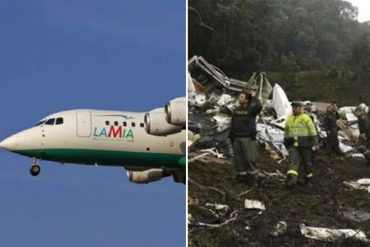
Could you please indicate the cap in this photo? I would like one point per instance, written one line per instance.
(296, 103)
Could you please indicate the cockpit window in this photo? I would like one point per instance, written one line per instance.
(39, 123)
(59, 121)
(50, 121)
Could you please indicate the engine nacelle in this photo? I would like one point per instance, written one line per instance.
(147, 176)
(176, 112)
(156, 124)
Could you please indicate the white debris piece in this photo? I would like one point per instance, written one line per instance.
(223, 121)
(344, 148)
(274, 136)
(267, 133)
(351, 118)
(253, 204)
(280, 101)
(225, 99)
(280, 122)
(346, 109)
(356, 215)
(360, 184)
(206, 152)
(219, 207)
(356, 156)
(200, 99)
(280, 228)
(332, 235)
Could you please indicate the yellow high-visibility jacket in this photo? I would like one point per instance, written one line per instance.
(300, 130)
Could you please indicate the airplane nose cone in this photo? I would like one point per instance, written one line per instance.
(9, 143)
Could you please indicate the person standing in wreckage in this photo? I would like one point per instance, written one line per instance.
(243, 134)
(364, 126)
(300, 138)
(330, 124)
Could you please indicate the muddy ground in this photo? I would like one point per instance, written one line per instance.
(320, 206)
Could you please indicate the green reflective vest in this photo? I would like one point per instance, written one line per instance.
(301, 129)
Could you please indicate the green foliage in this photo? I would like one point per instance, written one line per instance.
(359, 59)
(315, 45)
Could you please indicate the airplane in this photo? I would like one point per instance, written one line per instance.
(149, 145)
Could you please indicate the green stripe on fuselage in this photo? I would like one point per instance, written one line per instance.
(107, 157)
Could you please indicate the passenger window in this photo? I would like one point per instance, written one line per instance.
(50, 121)
(142, 125)
(115, 123)
(59, 121)
(133, 124)
(124, 124)
(107, 123)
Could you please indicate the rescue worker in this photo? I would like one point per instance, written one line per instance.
(330, 124)
(364, 138)
(300, 138)
(243, 133)
(308, 111)
(364, 125)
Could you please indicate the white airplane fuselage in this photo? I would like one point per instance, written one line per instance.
(98, 137)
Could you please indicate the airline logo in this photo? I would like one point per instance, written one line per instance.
(115, 133)
(112, 132)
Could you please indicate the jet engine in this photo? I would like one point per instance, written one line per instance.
(176, 111)
(156, 124)
(147, 176)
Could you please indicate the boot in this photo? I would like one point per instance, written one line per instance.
(251, 180)
(291, 180)
(240, 178)
(309, 182)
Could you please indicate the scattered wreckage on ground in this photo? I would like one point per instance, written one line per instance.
(212, 96)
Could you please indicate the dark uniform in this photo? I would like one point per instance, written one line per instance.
(364, 143)
(330, 124)
(364, 126)
(243, 133)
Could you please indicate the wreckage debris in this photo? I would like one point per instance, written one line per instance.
(332, 235)
(206, 152)
(356, 215)
(233, 217)
(360, 184)
(279, 229)
(212, 97)
(253, 204)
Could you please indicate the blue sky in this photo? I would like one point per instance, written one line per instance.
(58, 55)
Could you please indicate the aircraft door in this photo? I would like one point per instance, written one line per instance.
(83, 123)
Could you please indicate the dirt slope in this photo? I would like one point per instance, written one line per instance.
(321, 206)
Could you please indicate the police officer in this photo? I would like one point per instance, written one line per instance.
(243, 135)
(300, 138)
